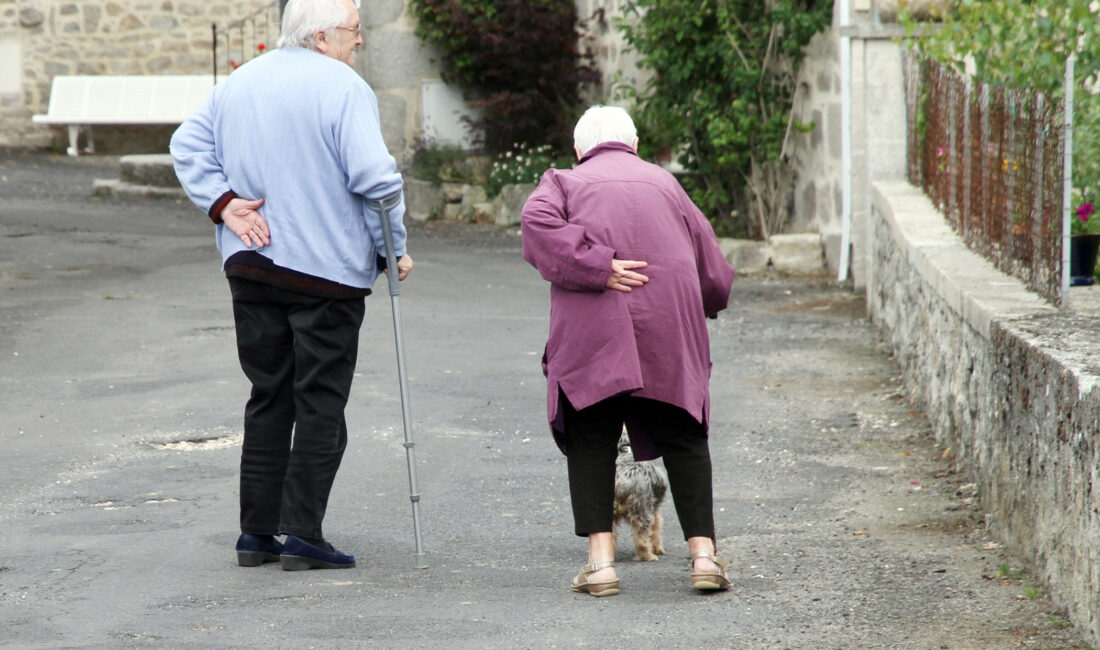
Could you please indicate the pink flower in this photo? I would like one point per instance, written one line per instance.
(1084, 211)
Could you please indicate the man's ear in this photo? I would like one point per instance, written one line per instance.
(320, 42)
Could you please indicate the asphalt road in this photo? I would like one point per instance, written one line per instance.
(120, 410)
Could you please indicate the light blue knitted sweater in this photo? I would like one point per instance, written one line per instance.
(301, 131)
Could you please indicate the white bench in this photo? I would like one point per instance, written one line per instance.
(82, 101)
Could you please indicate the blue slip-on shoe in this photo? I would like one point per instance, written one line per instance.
(254, 550)
(299, 554)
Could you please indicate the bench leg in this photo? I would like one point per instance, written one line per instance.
(74, 139)
(74, 135)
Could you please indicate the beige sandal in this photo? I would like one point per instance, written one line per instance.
(605, 588)
(710, 580)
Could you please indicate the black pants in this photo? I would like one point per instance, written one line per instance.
(591, 442)
(299, 352)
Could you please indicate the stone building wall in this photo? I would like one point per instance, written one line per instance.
(394, 63)
(618, 65)
(876, 97)
(815, 155)
(40, 39)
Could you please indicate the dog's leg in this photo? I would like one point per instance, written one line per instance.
(655, 536)
(642, 548)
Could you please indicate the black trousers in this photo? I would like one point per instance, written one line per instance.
(299, 352)
(591, 442)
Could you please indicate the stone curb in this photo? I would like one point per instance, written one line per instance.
(796, 254)
(114, 188)
(152, 176)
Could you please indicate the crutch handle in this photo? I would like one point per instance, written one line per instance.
(383, 206)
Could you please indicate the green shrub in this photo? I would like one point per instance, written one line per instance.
(1025, 44)
(720, 98)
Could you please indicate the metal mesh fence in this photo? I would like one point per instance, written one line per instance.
(235, 43)
(990, 158)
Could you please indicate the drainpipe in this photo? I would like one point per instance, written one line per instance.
(845, 139)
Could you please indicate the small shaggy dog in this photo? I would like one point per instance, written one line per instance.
(640, 487)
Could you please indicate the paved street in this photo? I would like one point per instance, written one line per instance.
(120, 411)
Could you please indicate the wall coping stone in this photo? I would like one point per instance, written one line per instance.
(966, 281)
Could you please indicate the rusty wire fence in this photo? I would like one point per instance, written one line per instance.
(991, 159)
(241, 40)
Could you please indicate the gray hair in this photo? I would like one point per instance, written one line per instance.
(601, 124)
(303, 18)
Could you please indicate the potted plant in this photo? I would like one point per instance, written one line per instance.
(1084, 242)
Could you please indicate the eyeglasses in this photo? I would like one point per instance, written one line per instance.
(353, 30)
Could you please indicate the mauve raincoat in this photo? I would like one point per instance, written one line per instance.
(651, 342)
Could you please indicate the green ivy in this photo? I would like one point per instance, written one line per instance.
(720, 98)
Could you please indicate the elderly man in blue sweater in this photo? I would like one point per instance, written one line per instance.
(283, 158)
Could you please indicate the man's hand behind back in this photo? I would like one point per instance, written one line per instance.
(241, 216)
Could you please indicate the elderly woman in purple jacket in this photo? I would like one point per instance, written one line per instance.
(634, 271)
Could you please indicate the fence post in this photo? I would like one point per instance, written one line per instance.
(1038, 171)
(1067, 178)
(966, 155)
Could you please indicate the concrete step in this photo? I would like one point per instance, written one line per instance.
(142, 175)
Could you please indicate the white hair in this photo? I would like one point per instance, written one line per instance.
(303, 18)
(601, 124)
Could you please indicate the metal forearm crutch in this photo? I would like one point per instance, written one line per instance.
(383, 207)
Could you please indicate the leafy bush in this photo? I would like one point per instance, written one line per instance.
(1018, 43)
(522, 165)
(518, 61)
(725, 73)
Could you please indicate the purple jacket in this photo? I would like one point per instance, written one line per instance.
(651, 342)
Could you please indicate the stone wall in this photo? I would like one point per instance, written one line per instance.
(40, 39)
(394, 63)
(815, 155)
(1009, 384)
(876, 98)
(45, 38)
(618, 65)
